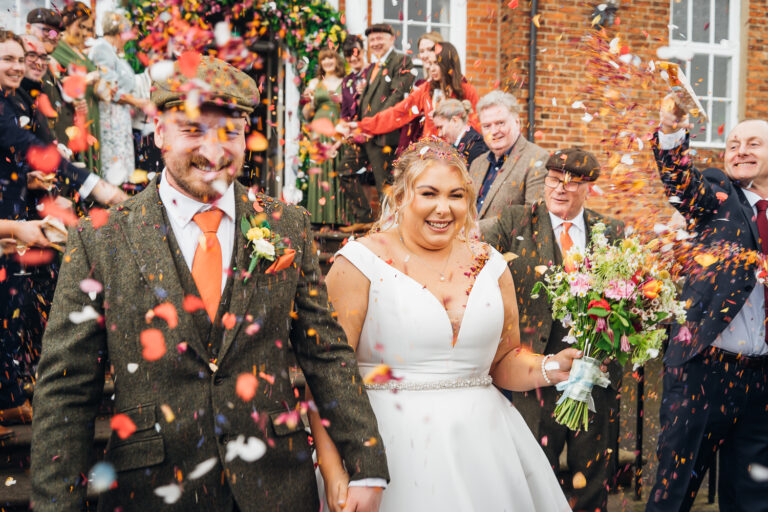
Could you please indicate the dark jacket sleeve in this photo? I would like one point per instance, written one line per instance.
(330, 367)
(685, 186)
(19, 141)
(472, 146)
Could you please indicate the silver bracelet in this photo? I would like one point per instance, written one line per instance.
(544, 371)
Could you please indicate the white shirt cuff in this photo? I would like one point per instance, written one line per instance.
(88, 186)
(669, 141)
(369, 482)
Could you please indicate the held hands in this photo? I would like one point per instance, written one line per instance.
(30, 234)
(336, 491)
(363, 499)
(38, 180)
(672, 117)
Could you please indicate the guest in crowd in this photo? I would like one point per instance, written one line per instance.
(414, 130)
(715, 383)
(512, 171)
(353, 83)
(445, 81)
(19, 313)
(325, 201)
(69, 58)
(116, 137)
(451, 118)
(388, 79)
(540, 234)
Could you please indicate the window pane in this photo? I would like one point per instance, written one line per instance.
(393, 10)
(699, 74)
(701, 18)
(700, 128)
(417, 10)
(414, 33)
(720, 110)
(398, 28)
(722, 77)
(680, 19)
(722, 12)
(441, 10)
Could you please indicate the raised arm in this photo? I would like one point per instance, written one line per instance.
(394, 117)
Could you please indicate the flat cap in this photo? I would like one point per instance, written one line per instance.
(385, 28)
(577, 162)
(45, 16)
(217, 83)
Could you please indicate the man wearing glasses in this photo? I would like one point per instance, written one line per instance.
(539, 234)
(45, 24)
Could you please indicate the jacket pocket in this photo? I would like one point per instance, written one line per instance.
(144, 448)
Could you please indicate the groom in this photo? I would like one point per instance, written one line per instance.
(205, 414)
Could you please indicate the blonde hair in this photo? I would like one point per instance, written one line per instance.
(452, 107)
(433, 36)
(419, 157)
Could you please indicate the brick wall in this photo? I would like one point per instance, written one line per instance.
(483, 65)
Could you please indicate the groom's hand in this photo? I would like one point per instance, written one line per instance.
(363, 499)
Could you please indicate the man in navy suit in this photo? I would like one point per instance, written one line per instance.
(716, 367)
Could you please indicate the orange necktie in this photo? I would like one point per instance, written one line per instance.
(206, 266)
(565, 239)
(374, 72)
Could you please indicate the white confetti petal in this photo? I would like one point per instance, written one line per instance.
(203, 468)
(249, 451)
(132, 367)
(415, 110)
(88, 313)
(627, 159)
(170, 493)
(577, 104)
(160, 71)
(221, 33)
(102, 476)
(758, 472)
(587, 117)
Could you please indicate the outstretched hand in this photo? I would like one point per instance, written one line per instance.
(672, 117)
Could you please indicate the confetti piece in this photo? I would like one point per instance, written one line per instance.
(536, 20)
(509, 256)
(192, 303)
(99, 217)
(540, 269)
(189, 62)
(290, 419)
(102, 477)
(252, 329)
(74, 85)
(122, 425)
(43, 104)
(512, 4)
(758, 472)
(167, 312)
(721, 196)
(3, 274)
(705, 259)
(228, 321)
(257, 142)
(153, 342)
(168, 413)
(379, 375)
(371, 441)
(132, 367)
(44, 159)
(579, 481)
(87, 314)
(170, 493)
(250, 451)
(90, 286)
(49, 207)
(10, 481)
(246, 386)
(323, 126)
(267, 377)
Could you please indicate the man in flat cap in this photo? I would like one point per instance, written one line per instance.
(389, 78)
(45, 24)
(200, 294)
(540, 234)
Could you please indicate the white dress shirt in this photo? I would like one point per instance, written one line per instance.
(745, 334)
(577, 231)
(181, 208)
(383, 59)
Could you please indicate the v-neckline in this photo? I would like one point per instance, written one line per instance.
(455, 334)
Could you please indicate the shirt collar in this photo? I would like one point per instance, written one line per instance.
(384, 57)
(577, 221)
(183, 208)
(461, 136)
(752, 197)
(502, 159)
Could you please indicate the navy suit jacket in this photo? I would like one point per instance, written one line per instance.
(719, 213)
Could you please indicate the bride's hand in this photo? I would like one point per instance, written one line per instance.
(336, 491)
(559, 365)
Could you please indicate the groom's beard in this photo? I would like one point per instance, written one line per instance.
(196, 182)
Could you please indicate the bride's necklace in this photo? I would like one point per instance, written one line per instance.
(445, 265)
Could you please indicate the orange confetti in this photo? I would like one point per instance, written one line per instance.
(228, 321)
(256, 142)
(189, 62)
(35, 257)
(43, 104)
(74, 86)
(246, 386)
(323, 126)
(153, 342)
(122, 425)
(3, 274)
(192, 303)
(512, 4)
(44, 159)
(49, 207)
(721, 196)
(99, 217)
(267, 377)
(167, 312)
(579, 481)
(705, 259)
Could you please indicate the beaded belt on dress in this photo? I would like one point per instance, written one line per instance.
(465, 382)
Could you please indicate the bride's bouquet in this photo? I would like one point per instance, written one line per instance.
(614, 298)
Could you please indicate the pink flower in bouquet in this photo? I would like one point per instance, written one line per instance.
(625, 346)
(600, 325)
(580, 283)
(618, 289)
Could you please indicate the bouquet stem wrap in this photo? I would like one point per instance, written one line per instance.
(573, 406)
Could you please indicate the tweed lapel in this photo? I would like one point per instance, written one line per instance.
(478, 169)
(242, 290)
(544, 236)
(372, 87)
(518, 152)
(146, 231)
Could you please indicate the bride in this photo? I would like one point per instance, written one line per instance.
(439, 310)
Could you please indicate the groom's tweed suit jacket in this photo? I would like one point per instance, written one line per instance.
(184, 405)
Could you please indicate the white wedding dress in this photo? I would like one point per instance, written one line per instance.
(453, 442)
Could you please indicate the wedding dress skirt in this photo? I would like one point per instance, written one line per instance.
(453, 442)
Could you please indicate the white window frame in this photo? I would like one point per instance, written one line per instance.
(19, 22)
(714, 49)
(457, 21)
